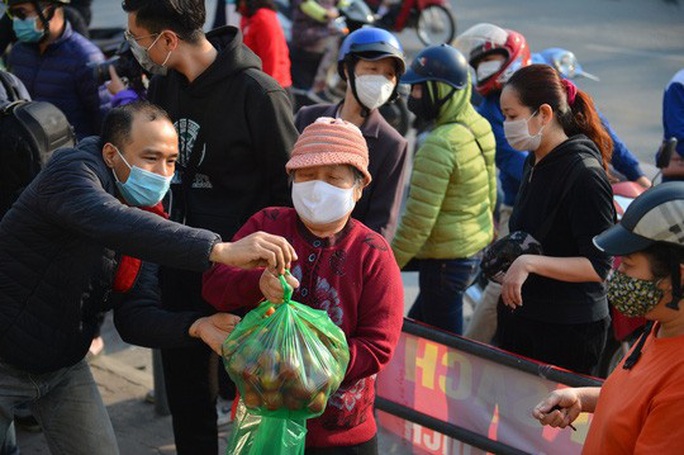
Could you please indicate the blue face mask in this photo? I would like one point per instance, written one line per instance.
(143, 188)
(26, 29)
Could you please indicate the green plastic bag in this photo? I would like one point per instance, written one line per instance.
(286, 360)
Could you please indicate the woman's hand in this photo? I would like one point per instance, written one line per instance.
(511, 290)
(270, 286)
(560, 408)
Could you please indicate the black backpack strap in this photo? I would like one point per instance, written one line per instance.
(577, 167)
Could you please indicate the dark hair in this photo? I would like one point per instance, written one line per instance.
(183, 17)
(254, 5)
(540, 84)
(661, 255)
(119, 121)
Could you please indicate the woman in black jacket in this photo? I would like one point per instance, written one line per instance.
(554, 306)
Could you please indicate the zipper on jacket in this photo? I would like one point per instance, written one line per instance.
(529, 179)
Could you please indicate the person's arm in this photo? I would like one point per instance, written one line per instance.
(571, 401)
(70, 193)
(315, 11)
(140, 319)
(228, 288)
(384, 204)
(673, 111)
(432, 168)
(572, 270)
(380, 317)
(591, 211)
(622, 159)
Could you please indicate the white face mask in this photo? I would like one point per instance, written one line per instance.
(518, 134)
(486, 69)
(373, 90)
(321, 203)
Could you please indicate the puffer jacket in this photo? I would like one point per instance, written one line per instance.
(59, 246)
(61, 76)
(453, 186)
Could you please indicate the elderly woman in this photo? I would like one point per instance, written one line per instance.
(345, 269)
(639, 407)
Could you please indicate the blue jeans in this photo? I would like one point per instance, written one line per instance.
(66, 403)
(442, 283)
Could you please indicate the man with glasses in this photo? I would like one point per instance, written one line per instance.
(51, 59)
(236, 130)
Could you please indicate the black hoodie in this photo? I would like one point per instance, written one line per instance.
(244, 122)
(585, 211)
(240, 122)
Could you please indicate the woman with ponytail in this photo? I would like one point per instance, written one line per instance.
(554, 307)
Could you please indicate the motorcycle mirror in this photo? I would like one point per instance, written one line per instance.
(665, 152)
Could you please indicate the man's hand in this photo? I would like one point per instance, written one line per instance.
(256, 250)
(272, 289)
(214, 329)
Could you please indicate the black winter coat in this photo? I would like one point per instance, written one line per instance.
(59, 247)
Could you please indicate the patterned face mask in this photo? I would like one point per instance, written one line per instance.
(631, 296)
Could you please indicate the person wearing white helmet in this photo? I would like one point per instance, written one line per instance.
(639, 407)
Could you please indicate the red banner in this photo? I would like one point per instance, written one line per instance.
(472, 392)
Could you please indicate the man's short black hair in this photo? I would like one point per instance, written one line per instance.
(184, 17)
(119, 121)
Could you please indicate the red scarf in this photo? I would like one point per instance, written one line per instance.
(129, 267)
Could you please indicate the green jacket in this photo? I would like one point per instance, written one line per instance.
(453, 186)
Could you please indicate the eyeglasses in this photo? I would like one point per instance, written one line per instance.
(128, 36)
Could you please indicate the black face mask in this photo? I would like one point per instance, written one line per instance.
(422, 107)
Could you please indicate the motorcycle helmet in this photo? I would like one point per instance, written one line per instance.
(499, 256)
(483, 40)
(563, 61)
(657, 215)
(369, 43)
(441, 63)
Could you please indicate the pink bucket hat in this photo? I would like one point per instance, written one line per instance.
(330, 141)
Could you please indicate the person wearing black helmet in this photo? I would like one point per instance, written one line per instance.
(448, 217)
(371, 60)
(52, 59)
(639, 407)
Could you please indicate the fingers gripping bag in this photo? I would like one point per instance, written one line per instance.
(286, 360)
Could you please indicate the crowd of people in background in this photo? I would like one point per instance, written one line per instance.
(184, 200)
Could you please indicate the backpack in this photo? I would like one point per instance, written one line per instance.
(30, 131)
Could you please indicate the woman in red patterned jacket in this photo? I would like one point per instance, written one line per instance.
(344, 268)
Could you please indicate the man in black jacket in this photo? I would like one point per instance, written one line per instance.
(68, 251)
(236, 130)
